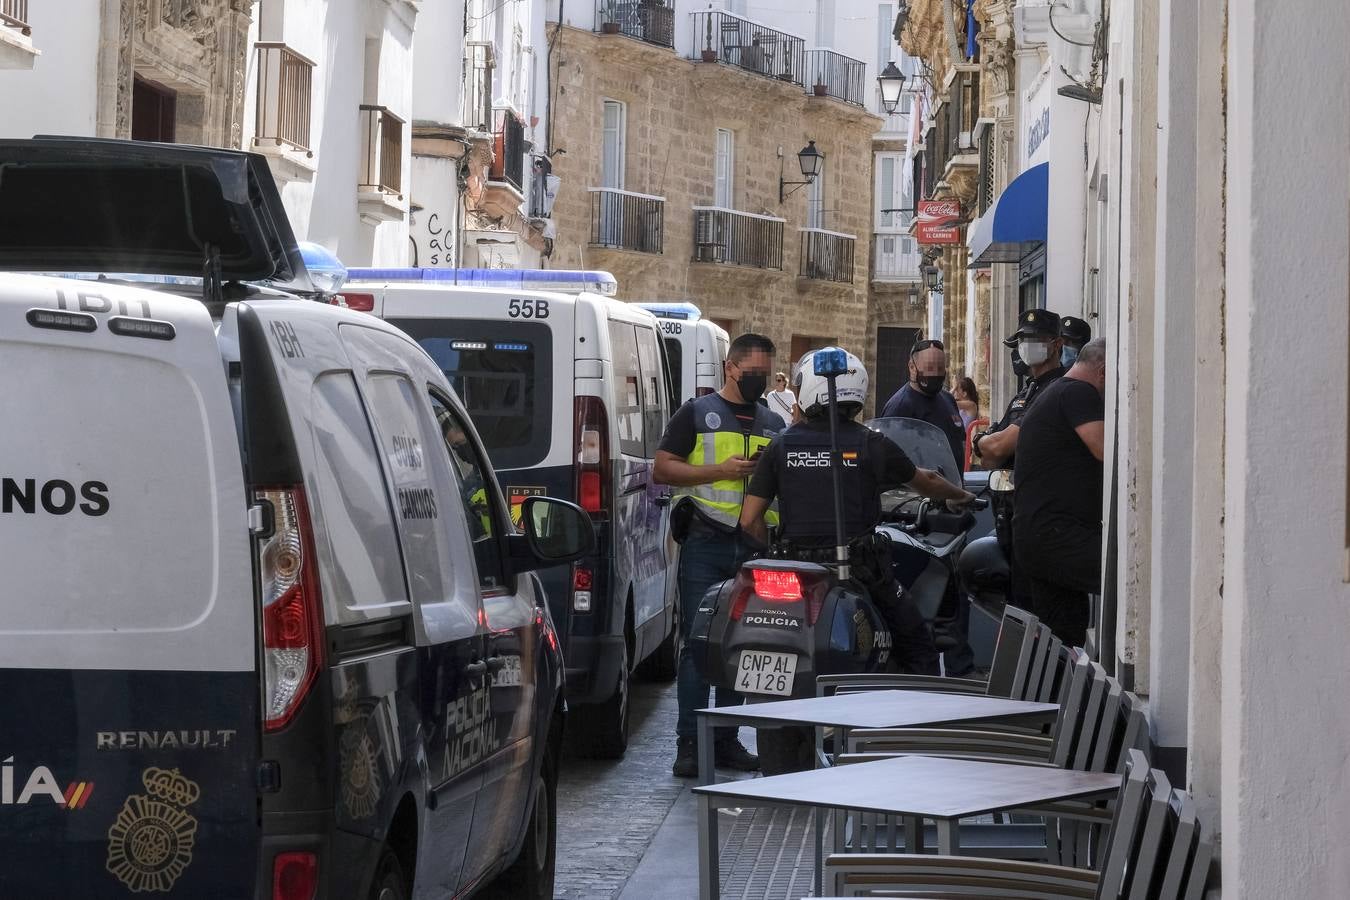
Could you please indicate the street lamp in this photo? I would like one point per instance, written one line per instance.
(892, 83)
(932, 276)
(810, 160)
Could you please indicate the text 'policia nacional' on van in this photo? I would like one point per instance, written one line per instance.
(571, 391)
(269, 628)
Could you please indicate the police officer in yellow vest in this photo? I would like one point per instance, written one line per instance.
(708, 453)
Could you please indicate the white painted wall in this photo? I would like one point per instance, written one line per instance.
(59, 95)
(438, 63)
(1286, 785)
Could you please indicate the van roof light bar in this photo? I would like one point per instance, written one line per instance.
(673, 310)
(562, 281)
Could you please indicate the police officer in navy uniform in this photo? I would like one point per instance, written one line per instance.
(1075, 333)
(796, 470)
(1037, 342)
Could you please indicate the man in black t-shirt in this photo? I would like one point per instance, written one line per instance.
(925, 398)
(1057, 512)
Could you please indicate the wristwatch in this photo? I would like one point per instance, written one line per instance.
(975, 444)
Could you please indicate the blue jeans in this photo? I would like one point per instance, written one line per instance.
(705, 559)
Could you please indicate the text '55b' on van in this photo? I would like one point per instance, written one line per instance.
(696, 347)
(570, 392)
(267, 627)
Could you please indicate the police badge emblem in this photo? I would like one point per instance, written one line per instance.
(150, 842)
(712, 420)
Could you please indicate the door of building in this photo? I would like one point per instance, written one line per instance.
(153, 111)
(892, 368)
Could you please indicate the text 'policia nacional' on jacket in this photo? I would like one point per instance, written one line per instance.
(719, 435)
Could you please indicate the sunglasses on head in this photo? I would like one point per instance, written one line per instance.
(926, 344)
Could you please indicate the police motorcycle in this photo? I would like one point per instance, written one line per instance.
(783, 620)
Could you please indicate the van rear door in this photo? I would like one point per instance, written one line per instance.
(129, 710)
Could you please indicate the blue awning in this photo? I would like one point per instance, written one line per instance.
(1015, 223)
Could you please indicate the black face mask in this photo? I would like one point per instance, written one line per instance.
(752, 386)
(1020, 368)
(930, 384)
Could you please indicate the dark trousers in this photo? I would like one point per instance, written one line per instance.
(911, 637)
(706, 558)
(1061, 561)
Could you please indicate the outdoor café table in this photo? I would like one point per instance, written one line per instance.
(928, 787)
(866, 709)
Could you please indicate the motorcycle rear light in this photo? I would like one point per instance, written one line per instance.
(774, 585)
(295, 876)
(292, 626)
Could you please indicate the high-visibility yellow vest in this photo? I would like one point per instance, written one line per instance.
(718, 437)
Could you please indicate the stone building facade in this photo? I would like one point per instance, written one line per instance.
(672, 112)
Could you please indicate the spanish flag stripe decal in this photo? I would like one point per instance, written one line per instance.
(77, 795)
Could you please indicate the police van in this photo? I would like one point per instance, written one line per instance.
(266, 628)
(570, 392)
(696, 347)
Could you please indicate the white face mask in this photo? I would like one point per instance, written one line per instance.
(1033, 353)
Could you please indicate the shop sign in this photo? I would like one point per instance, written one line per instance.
(937, 221)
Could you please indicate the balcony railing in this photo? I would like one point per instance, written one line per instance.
(831, 74)
(382, 135)
(652, 21)
(722, 37)
(478, 65)
(14, 13)
(895, 257)
(508, 152)
(627, 221)
(285, 81)
(737, 238)
(827, 255)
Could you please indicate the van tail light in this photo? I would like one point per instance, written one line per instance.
(358, 302)
(591, 431)
(295, 876)
(583, 581)
(292, 614)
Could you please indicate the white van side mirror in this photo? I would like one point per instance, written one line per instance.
(556, 532)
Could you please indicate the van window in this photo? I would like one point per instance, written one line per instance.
(473, 478)
(675, 357)
(627, 388)
(653, 388)
(502, 373)
(365, 561)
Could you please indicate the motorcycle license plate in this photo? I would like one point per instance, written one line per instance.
(763, 672)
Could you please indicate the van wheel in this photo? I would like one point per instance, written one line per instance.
(603, 727)
(389, 883)
(531, 875)
(783, 750)
(664, 663)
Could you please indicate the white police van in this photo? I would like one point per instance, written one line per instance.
(696, 347)
(570, 392)
(266, 628)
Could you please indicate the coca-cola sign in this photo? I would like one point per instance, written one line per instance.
(936, 222)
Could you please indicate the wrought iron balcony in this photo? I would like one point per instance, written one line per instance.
(14, 14)
(624, 220)
(895, 257)
(382, 137)
(832, 74)
(652, 21)
(285, 81)
(477, 98)
(508, 152)
(827, 255)
(737, 238)
(721, 37)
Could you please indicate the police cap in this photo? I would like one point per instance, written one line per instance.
(1075, 330)
(1034, 323)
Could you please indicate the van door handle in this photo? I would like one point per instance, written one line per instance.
(663, 500)
(476, 669)
(496, 663)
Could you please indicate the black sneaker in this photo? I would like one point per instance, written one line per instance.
(686, 758)
(729, 754)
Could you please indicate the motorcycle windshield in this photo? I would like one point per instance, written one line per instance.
(923, 442)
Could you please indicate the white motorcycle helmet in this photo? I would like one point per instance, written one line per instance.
(813, 391)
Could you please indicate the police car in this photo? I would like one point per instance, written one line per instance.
(571, 394)
(267, 629)
(696, 347)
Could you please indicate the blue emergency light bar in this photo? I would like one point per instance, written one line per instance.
(686, 311)
(830, 362)
(562, 281)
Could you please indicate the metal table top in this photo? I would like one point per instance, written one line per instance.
(882, 709)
